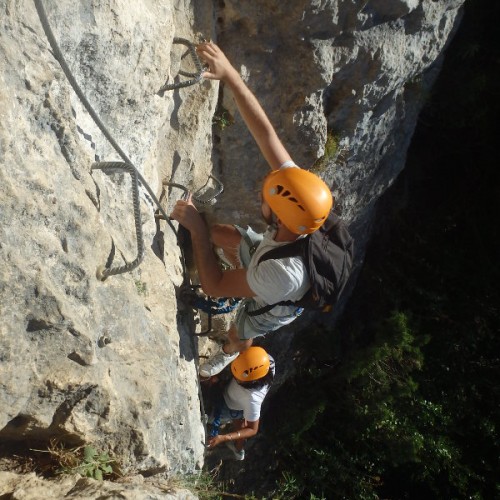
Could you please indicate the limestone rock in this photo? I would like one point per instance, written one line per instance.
(32, 487)
(110, 363)
(114, 362)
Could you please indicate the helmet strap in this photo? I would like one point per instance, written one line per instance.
(283, 233)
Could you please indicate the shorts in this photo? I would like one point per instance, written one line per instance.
(250, 240)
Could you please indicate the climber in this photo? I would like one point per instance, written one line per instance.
(295, 202)
(240, 400)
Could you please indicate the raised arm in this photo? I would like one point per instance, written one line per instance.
(254, 116)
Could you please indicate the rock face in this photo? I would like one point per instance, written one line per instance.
(110, 362)
(358, 71)
(32, 487)
(114, 362)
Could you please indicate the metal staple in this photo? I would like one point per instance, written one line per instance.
(195, 77)
(110, 167)
(140, 179)
(203, 201)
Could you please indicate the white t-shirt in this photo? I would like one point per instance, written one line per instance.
(276, 280)
(250, 401)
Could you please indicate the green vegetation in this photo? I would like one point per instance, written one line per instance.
(331, 145)
(93, 464)
(331, 151)
(141, 287)
(222, 118)
(84, 460)
(204, 485)
(207, 486)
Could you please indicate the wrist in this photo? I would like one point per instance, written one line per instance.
(231, 437)
(232, 77)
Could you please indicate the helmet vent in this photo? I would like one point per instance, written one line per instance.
(246, 373)
(281, 191)
(297, 203)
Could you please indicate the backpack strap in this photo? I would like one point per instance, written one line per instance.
(268, 307)
(294, 249)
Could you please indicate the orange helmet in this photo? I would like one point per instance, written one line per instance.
(251, 365)
(300, 199)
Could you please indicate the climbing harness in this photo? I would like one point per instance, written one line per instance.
(223, 305)
(127, 164)
(195, 77)
(212, 307)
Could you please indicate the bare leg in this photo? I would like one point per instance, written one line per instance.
(234, 343)
(228, 353)
(227, 237)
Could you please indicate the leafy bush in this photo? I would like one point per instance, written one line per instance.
(93, 464)
(84, 460)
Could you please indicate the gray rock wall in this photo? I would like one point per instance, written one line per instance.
(114, 363)
(33, 487)
(83, 360)
(359, 70)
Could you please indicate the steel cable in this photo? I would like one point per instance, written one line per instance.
(130, 166)
(60, 58)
